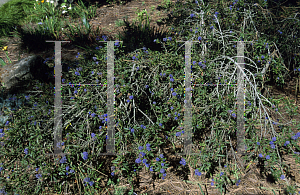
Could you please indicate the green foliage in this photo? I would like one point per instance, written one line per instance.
(150, 94)
(11, 13)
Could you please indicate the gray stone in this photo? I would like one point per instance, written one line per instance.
(15, 76)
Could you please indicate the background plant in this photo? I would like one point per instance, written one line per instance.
(9, 20)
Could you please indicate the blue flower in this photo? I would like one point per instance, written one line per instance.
(63, 159)
(104, 37)
(67, 168)
(165, 39)
(144, 160)
(161, 155)
(197, 172)
(274, 139)
(142, 154)
(132, 130)
(199, 38)
(86, 180)
(91, 183)
(162, 170)
(178, 134)
(258, 143)
(282, 177)
(138, 160)
(183, 162)
(267, 157)
(151, 169)
(141, 147)
(38, 176)
(26, 151)
(72, 171)
(85, 155)
(192, 15)
(162, 164)
(157, 159)
(131, 97)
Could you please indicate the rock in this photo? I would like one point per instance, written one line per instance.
(15, 76)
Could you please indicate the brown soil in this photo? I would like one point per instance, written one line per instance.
(251, 182)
